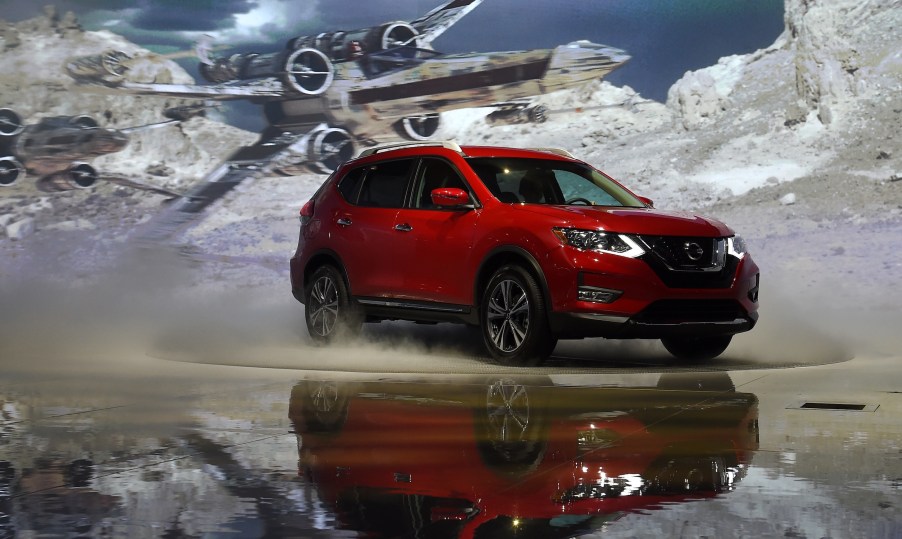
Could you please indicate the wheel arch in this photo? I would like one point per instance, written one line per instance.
(322, 258)
(509, 254)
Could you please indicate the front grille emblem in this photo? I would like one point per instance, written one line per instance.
(693, 250)
(686, 253)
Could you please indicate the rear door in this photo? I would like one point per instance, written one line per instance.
(364, 227)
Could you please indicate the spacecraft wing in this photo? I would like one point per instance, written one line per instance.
(277, 150)
(245, 163)
(434, 23)
(125, 182)
(218, 92)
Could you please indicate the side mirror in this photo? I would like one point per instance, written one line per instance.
(647, 201)
(450, 197)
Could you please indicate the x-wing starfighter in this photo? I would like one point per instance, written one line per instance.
(57, 149)
(335, 90)
(323, 95)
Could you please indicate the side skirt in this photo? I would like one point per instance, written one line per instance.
(417, 311)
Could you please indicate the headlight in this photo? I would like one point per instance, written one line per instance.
(736, 246)
(593, 439)
(602, 242)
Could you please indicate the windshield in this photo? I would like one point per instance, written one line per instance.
(548, 181)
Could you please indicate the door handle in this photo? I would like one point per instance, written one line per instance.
(403, 227)
(343, 221)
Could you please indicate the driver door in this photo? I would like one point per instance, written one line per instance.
(433, 244)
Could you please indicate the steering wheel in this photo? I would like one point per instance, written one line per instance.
(585, 201)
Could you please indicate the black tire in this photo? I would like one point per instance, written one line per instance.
(328, 310)
(514, 319)
(511, 429)
(697, 348)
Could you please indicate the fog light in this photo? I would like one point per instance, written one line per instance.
(597, 295)
(753, 287)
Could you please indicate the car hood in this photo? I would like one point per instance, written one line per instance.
(633, 220)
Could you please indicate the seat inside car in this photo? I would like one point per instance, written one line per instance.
(532, 186)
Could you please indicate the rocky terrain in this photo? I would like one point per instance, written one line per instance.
(796, 146)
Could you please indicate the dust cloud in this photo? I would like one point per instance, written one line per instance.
(153, 315)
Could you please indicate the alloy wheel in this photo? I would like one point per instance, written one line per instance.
(324, 397)
(508, 315)
(323, 306)
(507, 407)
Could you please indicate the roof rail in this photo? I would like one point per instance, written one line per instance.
(556, 151)
(449, 144)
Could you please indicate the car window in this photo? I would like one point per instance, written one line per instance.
(350, 184)
(546, 181)
(500, 180)
(385, 184)
(434, 174)
(575, 187)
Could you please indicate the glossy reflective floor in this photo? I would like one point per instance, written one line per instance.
(241, 443)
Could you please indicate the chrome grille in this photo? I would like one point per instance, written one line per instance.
(686, 253)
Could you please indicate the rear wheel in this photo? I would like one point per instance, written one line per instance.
(697, 348)
(514, 320)
(328, 310)
(321, 404)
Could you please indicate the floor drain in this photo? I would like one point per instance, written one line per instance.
(836, 406)
(832, 406)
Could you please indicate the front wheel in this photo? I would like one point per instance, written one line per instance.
(514, 319)
(511, 431)
(328, 310)
(697, 348)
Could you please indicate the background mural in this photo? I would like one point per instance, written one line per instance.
(666, 39)
(780, 117)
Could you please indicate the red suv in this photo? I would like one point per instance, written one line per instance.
(531, 245)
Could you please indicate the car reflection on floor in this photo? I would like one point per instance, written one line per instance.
(517, 457)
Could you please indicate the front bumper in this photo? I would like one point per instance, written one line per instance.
(576, 325)
(643, 305)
